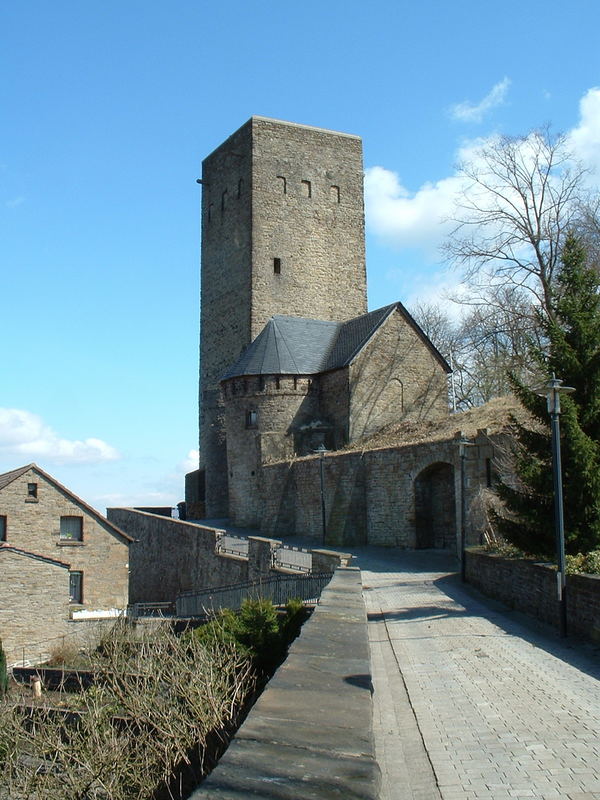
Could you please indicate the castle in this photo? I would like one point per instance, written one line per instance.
(290, 359)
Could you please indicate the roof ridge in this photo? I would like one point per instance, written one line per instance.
(23, 551)
(281, 341)
(95, 513)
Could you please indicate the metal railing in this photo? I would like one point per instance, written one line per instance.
(295, 558)
(233, 545)
(279, 589)
(136, 610)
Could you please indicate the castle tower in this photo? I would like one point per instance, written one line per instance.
(282, 233)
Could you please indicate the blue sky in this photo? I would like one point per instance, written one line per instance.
(108, 109)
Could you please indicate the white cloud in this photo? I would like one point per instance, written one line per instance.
(470, 112)
(17, 201)
(421, 219)
(189, 463)
(584, 139)
(409, 220)
(136, 498)
(26, 436)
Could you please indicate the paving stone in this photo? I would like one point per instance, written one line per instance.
(499, 707)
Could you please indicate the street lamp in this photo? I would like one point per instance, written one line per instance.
(552, 394)
(321, 450)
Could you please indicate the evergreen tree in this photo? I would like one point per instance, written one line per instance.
(572, 331)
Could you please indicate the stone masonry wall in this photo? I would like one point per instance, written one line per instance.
(369, 496)
(531, 587)
(34, 604)
(308, 210)
(34, 524)
(170, 556)
(334, 402)
(273, 190)
(225, 295)
(323, 686)
(395, 377)
(281, 404)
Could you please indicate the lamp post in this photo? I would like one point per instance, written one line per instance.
(321, 450)
(552, 393)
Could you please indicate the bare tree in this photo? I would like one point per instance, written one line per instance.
(483, 345)
(520, 199)
(587, 229)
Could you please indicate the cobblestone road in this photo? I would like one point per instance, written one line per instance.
(470, 701)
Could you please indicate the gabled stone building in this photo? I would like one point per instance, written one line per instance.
(289, 357)
(304, 384)
(34, 602)
(42, 518)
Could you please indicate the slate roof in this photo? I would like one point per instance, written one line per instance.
(9, 477)
(300, 346)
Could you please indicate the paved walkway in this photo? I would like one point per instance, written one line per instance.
(471, 701)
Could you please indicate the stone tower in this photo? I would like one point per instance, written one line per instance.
(282, 233)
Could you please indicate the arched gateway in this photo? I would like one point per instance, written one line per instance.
(435, 507)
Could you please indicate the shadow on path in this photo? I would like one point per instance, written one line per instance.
(575, 651)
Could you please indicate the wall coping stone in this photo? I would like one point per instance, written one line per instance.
(310, 733)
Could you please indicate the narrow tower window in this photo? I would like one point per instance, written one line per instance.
(306, 188)
(334, 193)
(282, 184)
(223, 200)
(210, 210)
(277, 266)
(240, 187)
(251, 418)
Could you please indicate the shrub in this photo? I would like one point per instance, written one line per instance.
(586, 563)
(257, 630)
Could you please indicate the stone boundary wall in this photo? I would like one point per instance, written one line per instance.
(170, 556)
(310, 732)
(531, 587)
(369, 496)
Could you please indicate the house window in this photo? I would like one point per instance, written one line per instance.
(251, 418)
(334, 193)
(32, 490)
(76, 587)
(282, 183)
(2, 529)
(71, 528)
(306, 188)
(277, 266)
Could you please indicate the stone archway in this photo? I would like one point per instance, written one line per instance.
(435, 507)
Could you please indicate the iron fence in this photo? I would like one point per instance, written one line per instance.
(279, 589)
(233, 545)
(150, 610)
(295, 558)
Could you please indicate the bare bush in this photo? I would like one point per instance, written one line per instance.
(154, 701)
